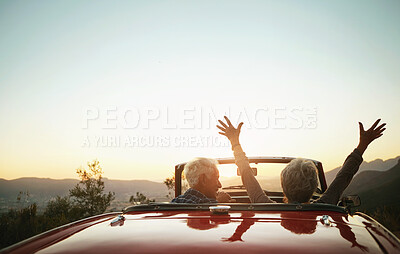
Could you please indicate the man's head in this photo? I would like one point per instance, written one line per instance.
(299, 180)
(202, 174)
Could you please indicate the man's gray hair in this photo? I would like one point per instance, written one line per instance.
(198, 166)
(299, 180)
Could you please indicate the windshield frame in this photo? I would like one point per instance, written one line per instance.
(263, 159)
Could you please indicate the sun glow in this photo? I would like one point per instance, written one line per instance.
(129, 87)
(227, 170)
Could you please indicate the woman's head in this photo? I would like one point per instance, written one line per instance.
(299, 180)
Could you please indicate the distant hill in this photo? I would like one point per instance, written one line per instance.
(376, 182)
(41, 190)
(377, 188)
(37, 187)
(375, 165)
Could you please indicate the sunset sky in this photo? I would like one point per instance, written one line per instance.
(139, 85)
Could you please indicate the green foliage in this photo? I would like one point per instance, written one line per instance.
(87, 196)
(85, 199)
(23, 196)
(140, 199)
(170, 183)
(18, 224)
(59, 212)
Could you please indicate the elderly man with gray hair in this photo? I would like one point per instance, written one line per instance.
(203, 177)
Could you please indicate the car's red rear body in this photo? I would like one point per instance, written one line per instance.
(273, 228)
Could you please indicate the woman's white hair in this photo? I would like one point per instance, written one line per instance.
(198, 166)
(299, 180)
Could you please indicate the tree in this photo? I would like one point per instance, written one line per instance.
(59, 212)
(18, 224)
(140, 199)
(170, 183)
(85, 199)
(87, 196)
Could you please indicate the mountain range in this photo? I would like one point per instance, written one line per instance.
(377, 183)
(41, 190)
(375, 165)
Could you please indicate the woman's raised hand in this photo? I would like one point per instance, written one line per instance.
(229, 130)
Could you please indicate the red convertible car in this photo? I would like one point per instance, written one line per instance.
(239, 227)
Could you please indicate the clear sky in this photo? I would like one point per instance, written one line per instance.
(138, 84)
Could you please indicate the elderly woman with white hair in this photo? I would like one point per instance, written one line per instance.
(299, 178)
